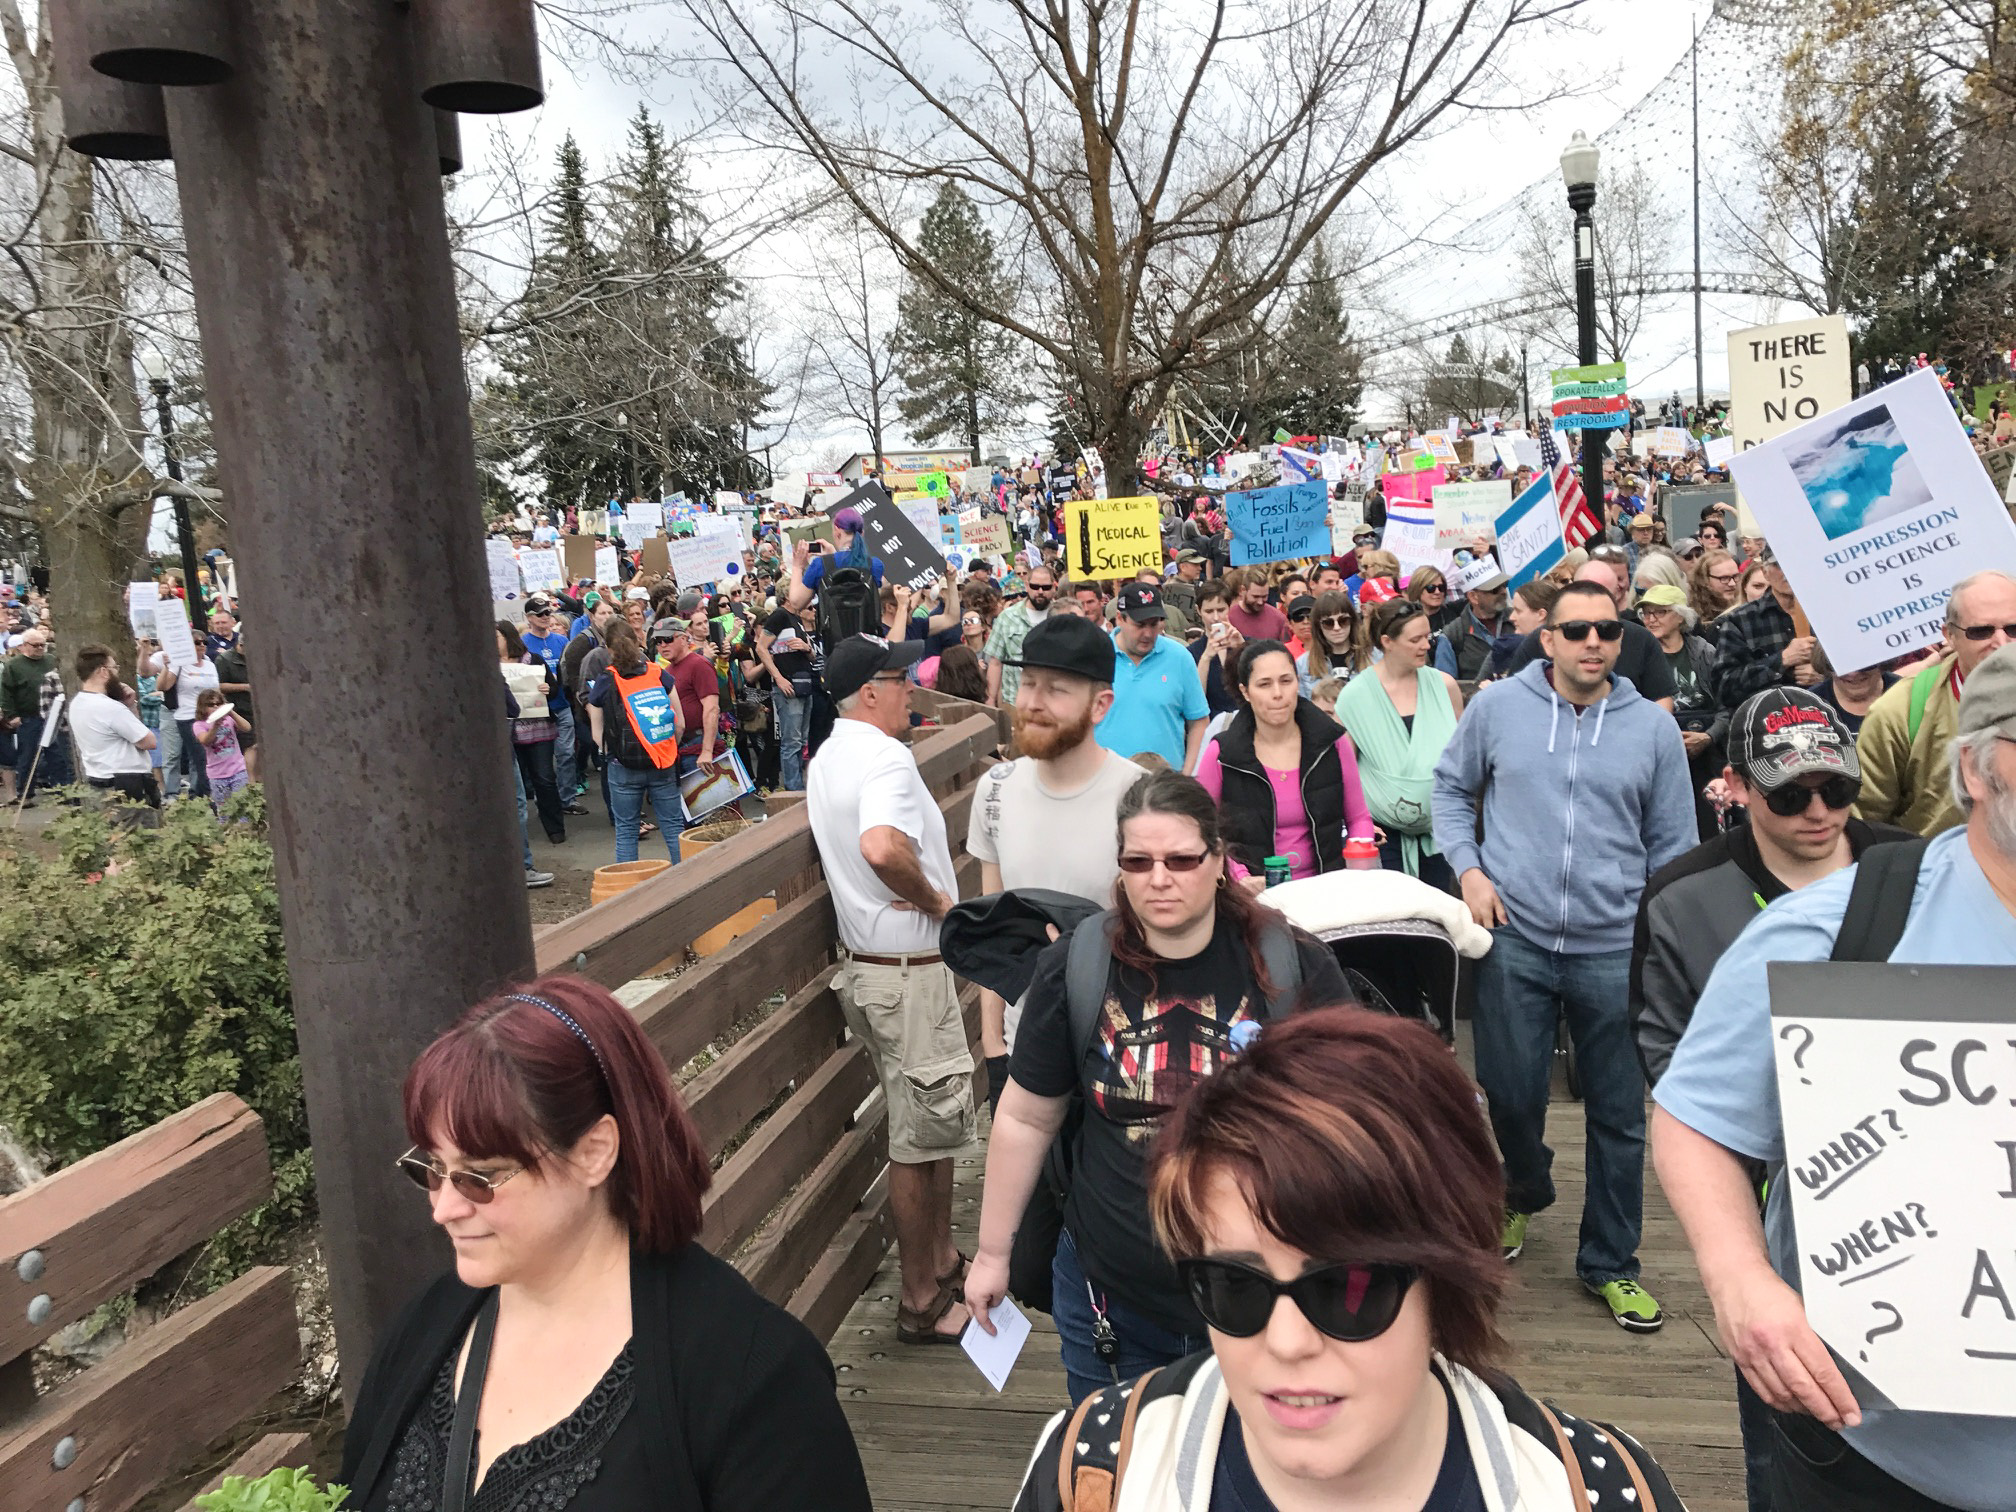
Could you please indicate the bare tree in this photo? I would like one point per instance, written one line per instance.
(850, 318)
(1160, 168)
(1634, 239)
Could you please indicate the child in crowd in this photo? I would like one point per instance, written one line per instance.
(218, 726)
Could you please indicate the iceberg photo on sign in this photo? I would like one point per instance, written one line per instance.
(1859, 472)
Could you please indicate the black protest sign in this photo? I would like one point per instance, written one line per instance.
(1684, 505)
(907, 558)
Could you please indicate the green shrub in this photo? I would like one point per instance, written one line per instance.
(141, 972)
(275, 1491)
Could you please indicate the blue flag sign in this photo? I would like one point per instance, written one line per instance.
(1529, 534)
(1278, 524)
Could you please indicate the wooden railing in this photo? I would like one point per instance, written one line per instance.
(790, 1110)
(77, 1239)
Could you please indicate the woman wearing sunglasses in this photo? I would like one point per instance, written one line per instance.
(1332, 1199)
(584, 1354)
(1427, 587)
(1336, 648)
(1182, 981)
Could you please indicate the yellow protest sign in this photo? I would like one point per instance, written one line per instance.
(1112, 538)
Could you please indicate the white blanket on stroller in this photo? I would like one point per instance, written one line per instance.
(1346, 899)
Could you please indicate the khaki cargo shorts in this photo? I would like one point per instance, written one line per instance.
(910, 1020)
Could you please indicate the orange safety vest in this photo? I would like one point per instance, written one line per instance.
(652, 715)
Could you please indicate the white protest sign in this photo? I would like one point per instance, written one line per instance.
(1875, 511)
(1332, 465)
(712, 554)
(1507, 449)
(1465, 511)
(140, 601)
(648, 513)
(923, 513)
(1526, 449)
(635, 534)
(53, 720)
(1781, 376)
(1413, 542)
(727, 498)
(1719, 449)
(1347, 513)
(1671, 441)
(505, 581)
(171, 625)
(540, 566)
(1529, 533)
(606, 570)
(1894, 1085)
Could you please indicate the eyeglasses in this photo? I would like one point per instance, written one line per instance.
(1578, 630)
(1351, 1303)
(1795, 798)
(1337, 622)
(1726, 579)
(890, 677)
(1178, 863)
(428, 1176)
(1979, 633)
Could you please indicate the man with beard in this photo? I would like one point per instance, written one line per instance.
(1011, 627)
(1034, 819)
(1954, 899)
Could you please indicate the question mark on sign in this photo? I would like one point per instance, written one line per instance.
(1799, 1055)
(1882, 1328)
(1890, 1115)
(1919, 1208)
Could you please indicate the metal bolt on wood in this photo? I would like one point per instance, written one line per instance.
(31, 1265)
(66, 1453)
(76, 1505)
(39, 1308)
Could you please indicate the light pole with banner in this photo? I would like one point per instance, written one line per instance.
(1578, 167)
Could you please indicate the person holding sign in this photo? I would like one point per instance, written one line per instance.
(1950, 901)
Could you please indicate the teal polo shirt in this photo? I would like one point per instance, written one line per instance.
(1152, 700)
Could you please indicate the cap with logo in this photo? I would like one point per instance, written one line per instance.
(1783, 734)
(857, 659)
(1067, 643)
(1988, 697)
(1141, 601)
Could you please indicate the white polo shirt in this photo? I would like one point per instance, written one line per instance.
(862, 780)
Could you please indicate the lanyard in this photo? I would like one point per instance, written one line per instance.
(460, 1468)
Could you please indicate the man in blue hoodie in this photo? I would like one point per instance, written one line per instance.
(1584, 792)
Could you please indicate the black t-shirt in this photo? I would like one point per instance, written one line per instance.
(1143, 1056)
(1638, 658)
(1235, 1488)
(1216, 698)
(794, 664)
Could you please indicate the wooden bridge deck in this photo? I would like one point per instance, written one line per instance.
(937, 1438)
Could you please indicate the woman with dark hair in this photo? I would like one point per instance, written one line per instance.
(959, 674)
(1332, 1199)
(1284, 774)
(634, 717)
(1182, 973)
(1336, 645)
(585, 1354)
(528, 688)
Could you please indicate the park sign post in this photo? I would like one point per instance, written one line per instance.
(1894, 1086)
(1590, 398)
(1875, 511)
(1780, 377)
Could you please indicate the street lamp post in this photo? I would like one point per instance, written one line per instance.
(157, 380)
(1578, 167)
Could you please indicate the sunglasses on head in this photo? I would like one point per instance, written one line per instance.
(429, 1174)
(1578, 630)
(1180, 863)
(1349, 1302)
(1795, 798)
(1979, 633)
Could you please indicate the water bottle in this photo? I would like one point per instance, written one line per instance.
(1361, 855)
(1278, 869)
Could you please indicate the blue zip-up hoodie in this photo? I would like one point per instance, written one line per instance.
(1579, 810)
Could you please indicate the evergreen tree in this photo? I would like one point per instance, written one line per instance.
(1908, 212)
(959, 372)
(1322, 372)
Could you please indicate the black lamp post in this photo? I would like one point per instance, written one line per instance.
(1578, 167)
(157, 380)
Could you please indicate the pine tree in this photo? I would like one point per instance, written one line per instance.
(958, 371)
(1908, 212)
(1322, 374)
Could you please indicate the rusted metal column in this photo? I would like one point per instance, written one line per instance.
(310, 185)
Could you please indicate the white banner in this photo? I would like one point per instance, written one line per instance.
(505, 581)
(540, 566)
(712, 554)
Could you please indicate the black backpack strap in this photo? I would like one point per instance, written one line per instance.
(1879, 902)
(1086, 969)
(1283, 965)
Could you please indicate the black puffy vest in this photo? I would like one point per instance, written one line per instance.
(1246, 811)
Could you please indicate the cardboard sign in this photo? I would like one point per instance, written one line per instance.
(577, 555)
(712, 554)
(1465, 511)
(1111, 538)
(606, 570)
(654, 558)
(142, 597)
(540, 568)
(505, 580)
(1893, 1086)
(982, 532)
(1277, 524)
(910, 558)
(1781, 377)
(1875, 511)
(1529, 533)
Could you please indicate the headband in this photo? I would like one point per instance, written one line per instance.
(567, 1019)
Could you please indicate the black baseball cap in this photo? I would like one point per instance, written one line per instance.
(1785, 733)
(1141, 601)
(1067, 643)
(858, 658)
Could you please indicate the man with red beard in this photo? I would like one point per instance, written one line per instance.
(1043, 820)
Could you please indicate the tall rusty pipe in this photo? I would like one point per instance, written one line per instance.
(103, 117)
(478, 57)
(156, 42)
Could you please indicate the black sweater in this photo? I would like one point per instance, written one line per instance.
(735, 1397)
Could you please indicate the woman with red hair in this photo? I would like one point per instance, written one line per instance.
(585, 1354)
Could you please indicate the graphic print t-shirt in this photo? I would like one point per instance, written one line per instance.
(1146, 1052)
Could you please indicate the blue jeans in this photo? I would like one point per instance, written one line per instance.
(794, 724)
(524, 835)
(1520, 990)
(628, 787)
(566, 771)
(1144, 1343)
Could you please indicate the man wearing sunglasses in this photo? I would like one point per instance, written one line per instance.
(1583, 790)
(1906, 742)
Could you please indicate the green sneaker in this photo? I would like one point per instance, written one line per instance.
(1630, 1304)
(1513, 1239)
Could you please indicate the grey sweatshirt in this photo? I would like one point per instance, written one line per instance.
(1579, 809)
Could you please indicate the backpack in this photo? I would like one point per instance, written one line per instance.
(1922, 686)
(848, 605)
(1087, 969)
(1879, 901)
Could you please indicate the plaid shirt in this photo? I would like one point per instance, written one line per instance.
(52, 689)
(1748, 655)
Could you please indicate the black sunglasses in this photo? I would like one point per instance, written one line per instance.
(1349, 1302)
(1979, 633)
(1795, 797)
(1578, 630)
(1178, 863)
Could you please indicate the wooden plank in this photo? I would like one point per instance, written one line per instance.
(120, 1214)
(756, 1177)
(850, 1263)
(269, 1453)
(141, 1413)
(782, 1050)
(778, 1258)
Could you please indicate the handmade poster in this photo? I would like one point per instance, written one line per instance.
(1894, 1084)
(654, 558)
(1718, 450)
(1875, 511)
(922, 512)
(1781, 376)
(606, 570)
(1590, 398)
(577, 555)
(502, 559)
(142, 597)
(712, 554)
(1465, 511)
(1277, 524)
(1333, 466)
(1671, 441)
(52, 722)
(540, 568)
(592, 522)
(1420, 486)
(911, 557)
(1526, 450)
(1410, 534)
(808, 530)
(171, 625)
(1441, 446)
(1529, 533)
(1112, 538)
(727, 498)
(648, 513)
(936, 484)
(1298, 466)
(635, 534)
(701, 792)
(1347, 513)
(982, 532)
(1506, 449)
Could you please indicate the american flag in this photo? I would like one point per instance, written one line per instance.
(1579, 524)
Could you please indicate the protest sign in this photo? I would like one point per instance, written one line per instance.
(936, 484)
(1333, 464)
(701, 791)
(982, 532)
(1718, 450)
(540, 568)
(1506, 448)
(1875, 511)
(726, 499)
(1685, 505)
(1112, 538)
(910, 557)
(592, 522)
(1347, 513)
(1277, 524)
(1440, 446)
(1526, 451)
(1410, 534)
(635, 534)
(654, 558)
(1900, 1165)
(1298, 466)
(712, 554)
(1781, 376)
(808, 530)
(1465, 511)
(606, 570)
(577, 555)
(1413, 485)
(505, 581)
(1671, 441)
(142, 597)
(1529, 533)
(922, 511)
(171, 626)
(646, 512)
(1590, 398)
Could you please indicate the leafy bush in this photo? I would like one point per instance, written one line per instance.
(141, 972)
(275, 1491)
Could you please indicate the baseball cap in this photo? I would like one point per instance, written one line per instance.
(1301, 604)
(690, 600)
(1190, 554)
(640, 594)
(1376, 591)
(1141, 601)
(1663, 596)
(538, 603)
(669, 628)
(1988, 698)
(1785, 733)
(1068, 643)
(1364, 533)
(856, 659)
